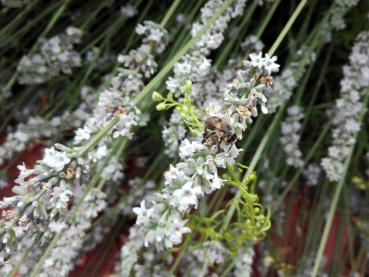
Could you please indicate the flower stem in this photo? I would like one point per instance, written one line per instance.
(252, 166)
(96, 138)
(287, 27)
(169, 13)
(49, 248)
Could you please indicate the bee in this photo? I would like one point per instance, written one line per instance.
(218, 129)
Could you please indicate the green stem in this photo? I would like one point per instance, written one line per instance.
(95, 140)
(252, 166)
(46, 254)
(287, 27)
(169, 13)
(267, 19)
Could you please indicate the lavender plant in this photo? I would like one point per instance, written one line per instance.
(177, 183)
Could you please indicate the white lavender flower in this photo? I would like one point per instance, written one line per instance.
(62, 257)
(312, 174)
(243, 262)
(252, 44)
(337, 19)
(55, 160)
(116, 101)
(288, 80)
(214, 37)
(173, 132)
(291, 135)
(153, 33)
(348, 107)
(128, 10)
(42, 193)
(46, 194)
(162, 222)
(211, 253)
(195, 66)
(57, 56)
(203, 256)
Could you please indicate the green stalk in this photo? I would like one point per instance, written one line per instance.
(252, 166)
(334, 203)
(181, 254)
(183, 33)
(267, 19)
(169, 13)
(96, 138)
(12, 25)
(286, 28)
(46, 254)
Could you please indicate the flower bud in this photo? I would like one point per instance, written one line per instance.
(156, 96)
(161, 107)
(188, 85)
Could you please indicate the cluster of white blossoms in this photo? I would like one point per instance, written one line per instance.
(56, 56)
(128, 10)
(43, 194)
(43, 129)
(203, 256)
(243, 262)
(63, 256)
(213, 38)
(162, 222)
(348, 108)
(196, 67)
(291, 135)
(173, 133)
(312, 174)
(153, 33)
(116, 101)
(41, 205)
(337, 20)
(288, 80)
(252, 44)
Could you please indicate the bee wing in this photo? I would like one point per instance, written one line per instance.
(203, 115)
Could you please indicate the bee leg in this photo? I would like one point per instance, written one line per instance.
(205, 136)
(220, 141)
(229, 149)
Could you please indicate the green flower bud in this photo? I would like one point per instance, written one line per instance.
(161, 106)
(188, 86)
(156, 96)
